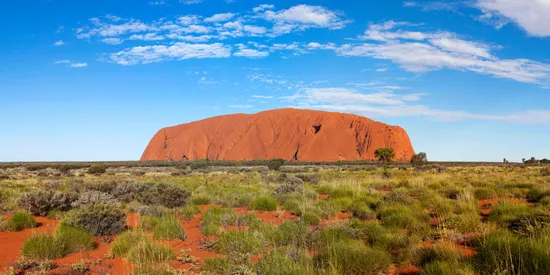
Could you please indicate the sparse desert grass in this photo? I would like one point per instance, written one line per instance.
(19, 221)
(42, 247)
(425, 217)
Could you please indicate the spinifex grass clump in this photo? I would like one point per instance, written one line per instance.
(264, 203)
(42, 247)
(19, 221)
(168, 228)
(353, 257)
(215, 218)
(73, 239)
(239, 246)
(140, 250)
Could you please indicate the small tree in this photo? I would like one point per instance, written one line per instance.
(275, 164)
(419, 159)
(97, 169)
(384, 154)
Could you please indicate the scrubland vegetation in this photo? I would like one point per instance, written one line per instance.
(199, 218)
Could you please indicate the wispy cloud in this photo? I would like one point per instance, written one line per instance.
(417, 51)
(531, 15)
(59, 43)
(241, 106)
(262, 96)
(71, 64)
(177, 51)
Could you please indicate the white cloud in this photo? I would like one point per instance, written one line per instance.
(146, 37)
(220, 17)
(531, 15)
(188, 20)
(176, 51)
(344, 96)
(435, 51)
(301, 17)
(435, 5)
(241, 106)
(244, 51)
(190, 2)
(263, 7)
(112, 41)
(381, 70)
(71, 64)
(254, 29)
(262, 96)
(59, 43)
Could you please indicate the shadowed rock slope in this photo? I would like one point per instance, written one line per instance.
(291, 134)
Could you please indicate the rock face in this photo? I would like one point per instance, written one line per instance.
(290, 134)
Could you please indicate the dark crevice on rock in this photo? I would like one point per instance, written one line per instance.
(317, 128)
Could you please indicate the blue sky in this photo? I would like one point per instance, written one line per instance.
(95, 79)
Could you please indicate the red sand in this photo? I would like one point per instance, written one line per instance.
(291, 134)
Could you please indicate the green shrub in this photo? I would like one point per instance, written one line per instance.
(73, 239)
(353, 257)
(167, 229)
(441, 252)
(275, 164)
(217, 265)
(97, 219)
(359, 209)
(165, 194)
(238, 246)
(284, 262)
(92, 197)
(147, 252)
(264, 204)
(97, 169)
(504, 253)
(398, 196)
(405, 217)
(42, 247)
(485, 193)
(292, 184)
(507, 210)
(287, 233)
(148, 223)
(201, 200)
(19, 221)
(125, 241)
(326, 209)
(447, 268)
(189, 211)
(535, 195)
(216, 217)
(530, 224)
(310, 218)
(41, 201)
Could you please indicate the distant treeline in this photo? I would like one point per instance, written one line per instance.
(222, 163)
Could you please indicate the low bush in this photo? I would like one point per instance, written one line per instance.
(353, 257)
(535, 194)
(530, 224)
(360, 209)
(189, 211)
(264, 203)
(292, 184)
(276, 164)
(398, 196)
(326, 208)
(125, 241)
(506, 210)
(286, 234)
(201, 200)
(168, 228)
(447, 268)
(148, 223)
(97, 169)
(310, 218)
(285, 261)
(40, 201)
(97, 219)
(92, 197)
(504, 253)
(441, 252)
(485, 193)
(238, 246)
(217, 265)
(42, 247)
(215, 217)
(19, 221)
(73, 239)
(146, 253)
